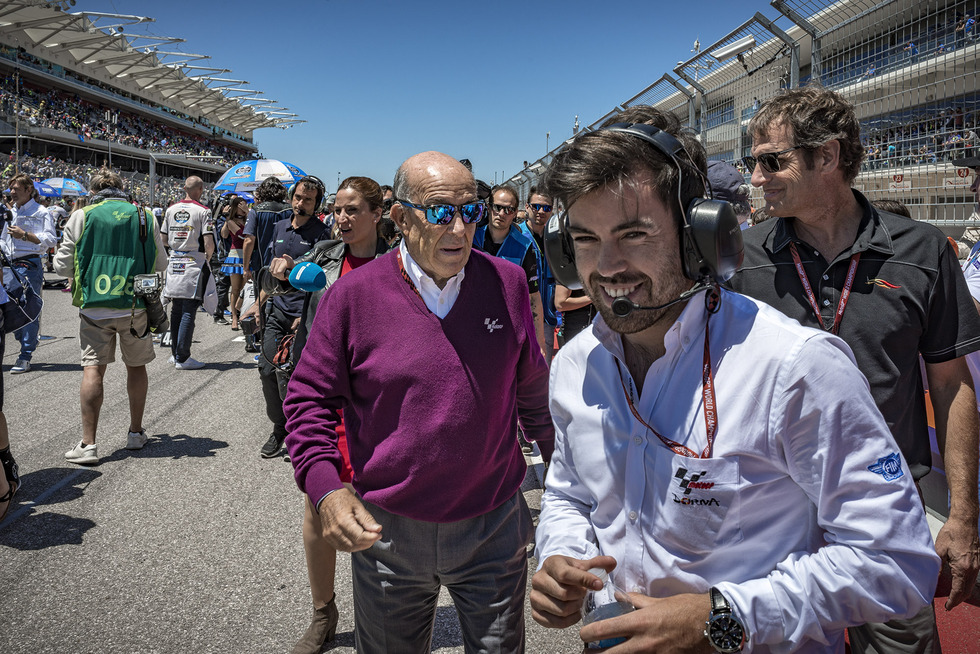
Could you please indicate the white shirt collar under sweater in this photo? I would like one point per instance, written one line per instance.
(439, 301)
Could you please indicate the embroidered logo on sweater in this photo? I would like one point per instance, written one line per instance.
(492, 325)
(889, 467)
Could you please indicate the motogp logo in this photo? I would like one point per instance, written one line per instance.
(692, 484)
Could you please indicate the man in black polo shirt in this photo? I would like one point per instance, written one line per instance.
(294, 236)
(270, 207)
(891, 288)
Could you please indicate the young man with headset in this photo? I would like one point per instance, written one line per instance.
(724, 465)
(293, 236)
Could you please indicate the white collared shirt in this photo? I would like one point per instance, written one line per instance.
(35, 219)
(787, 517)
(439, 300)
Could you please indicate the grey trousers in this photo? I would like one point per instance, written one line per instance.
(917, 635)
(481, 561)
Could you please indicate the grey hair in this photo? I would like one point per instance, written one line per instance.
(401, 188)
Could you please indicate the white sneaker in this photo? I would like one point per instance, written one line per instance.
(136, 440)
(20, 366)
(189, 364)
(171, 360)
(83, 454)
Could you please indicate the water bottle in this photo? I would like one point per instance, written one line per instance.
(608, 602)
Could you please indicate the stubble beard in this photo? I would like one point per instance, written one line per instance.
(639, 320)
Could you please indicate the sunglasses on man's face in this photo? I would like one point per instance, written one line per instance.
(541, 207)
(443, 214)
(769, 161)
(504, 209)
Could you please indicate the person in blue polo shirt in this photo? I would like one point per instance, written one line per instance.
(539, 208)
(501, 238)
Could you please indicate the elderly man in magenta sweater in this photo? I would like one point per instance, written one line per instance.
(430, 351)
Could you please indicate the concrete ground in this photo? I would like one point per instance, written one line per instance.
(192, 544)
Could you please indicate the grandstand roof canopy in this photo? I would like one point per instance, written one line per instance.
(97, 44)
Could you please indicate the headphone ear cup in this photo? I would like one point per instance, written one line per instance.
(711, 244)
(560, 253)
(321, 190)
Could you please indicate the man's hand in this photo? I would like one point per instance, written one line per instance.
(347, 525)
(254, 311)
(280, 267)
(16, 232)
(672, 624)
(956, 545)
(560, 585)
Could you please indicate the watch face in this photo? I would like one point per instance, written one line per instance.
(725, 634)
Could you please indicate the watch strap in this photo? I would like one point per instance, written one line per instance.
(718, 602)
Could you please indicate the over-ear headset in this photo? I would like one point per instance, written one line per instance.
(710, 241)
(321, 189)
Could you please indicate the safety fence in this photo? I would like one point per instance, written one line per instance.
(908, 66)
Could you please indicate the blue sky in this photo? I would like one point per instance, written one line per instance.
(378, 81)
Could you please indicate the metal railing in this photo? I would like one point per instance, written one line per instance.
(909, 67)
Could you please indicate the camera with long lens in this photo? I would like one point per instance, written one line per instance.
(6, 215)
(149, 287)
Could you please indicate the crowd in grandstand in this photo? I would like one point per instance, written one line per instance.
(887, 53)
(935, 138)
(54, 109)
(167, 189)
(928, 136)
(24, 58)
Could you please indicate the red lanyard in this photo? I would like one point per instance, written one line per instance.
(844, 295)
(707, 396)
(408, 279)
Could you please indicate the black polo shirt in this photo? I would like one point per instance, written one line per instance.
(295, 243)
(908, 297)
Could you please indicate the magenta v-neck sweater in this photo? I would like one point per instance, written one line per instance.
(430, 405)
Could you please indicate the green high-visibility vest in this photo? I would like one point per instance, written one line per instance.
(109, 252)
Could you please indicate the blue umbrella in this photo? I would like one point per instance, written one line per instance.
(45, 191)
(247, 175)
(66, 186)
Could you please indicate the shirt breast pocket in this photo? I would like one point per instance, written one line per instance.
(695, 507)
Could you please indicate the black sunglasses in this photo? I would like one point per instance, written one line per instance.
(504, 209)
(769, 161)
(541, 207)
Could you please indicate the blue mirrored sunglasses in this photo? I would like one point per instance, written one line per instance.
(443, 214)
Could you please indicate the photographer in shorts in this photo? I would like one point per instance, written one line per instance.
(104, 247)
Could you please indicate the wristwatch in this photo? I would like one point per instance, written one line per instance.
(724, 631)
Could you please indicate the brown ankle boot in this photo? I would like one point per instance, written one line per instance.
(322, 629)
